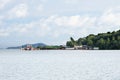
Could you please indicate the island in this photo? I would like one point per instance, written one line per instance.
(101, 41)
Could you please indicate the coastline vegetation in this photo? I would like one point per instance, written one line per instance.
(50, 47)
(105, 41)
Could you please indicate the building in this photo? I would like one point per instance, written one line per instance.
(29, 47)
(96, 48)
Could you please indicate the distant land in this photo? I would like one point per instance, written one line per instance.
(23, 46)
(105, 41)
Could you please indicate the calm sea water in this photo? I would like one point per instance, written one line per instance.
(60, 65)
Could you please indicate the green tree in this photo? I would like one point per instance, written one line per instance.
(107, 43)
(101, 43)
(69, 44)
(109, 40)
(89, 42)
(73, 41)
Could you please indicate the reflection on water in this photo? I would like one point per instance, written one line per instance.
(59, 65)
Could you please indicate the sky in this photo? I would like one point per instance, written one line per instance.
(53, 22)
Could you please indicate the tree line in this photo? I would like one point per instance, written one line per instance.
(109, 40)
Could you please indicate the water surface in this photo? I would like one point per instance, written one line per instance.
(60, 65)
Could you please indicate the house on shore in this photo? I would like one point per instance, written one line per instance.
(28, 47)
(96, 48)
(82, 47)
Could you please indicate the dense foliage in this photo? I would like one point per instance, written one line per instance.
(109, 40)
(50, 47)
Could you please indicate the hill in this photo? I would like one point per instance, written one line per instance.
(105, 41)
(33, 45)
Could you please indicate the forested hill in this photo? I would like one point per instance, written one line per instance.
(109, 40)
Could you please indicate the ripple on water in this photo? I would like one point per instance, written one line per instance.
(62, 65)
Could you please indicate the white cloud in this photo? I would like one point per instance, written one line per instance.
(3, 3)
(111, 17)
(1, 17)
(74, 21)
(77, 25)
(71, 1)
(68, 25)
(37, 10)
(29, 29)
(40, 8)
(3, 33)
(19, 11)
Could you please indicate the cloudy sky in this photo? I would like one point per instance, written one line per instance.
(55, 21)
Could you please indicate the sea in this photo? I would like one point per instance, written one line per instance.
(60, 65)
